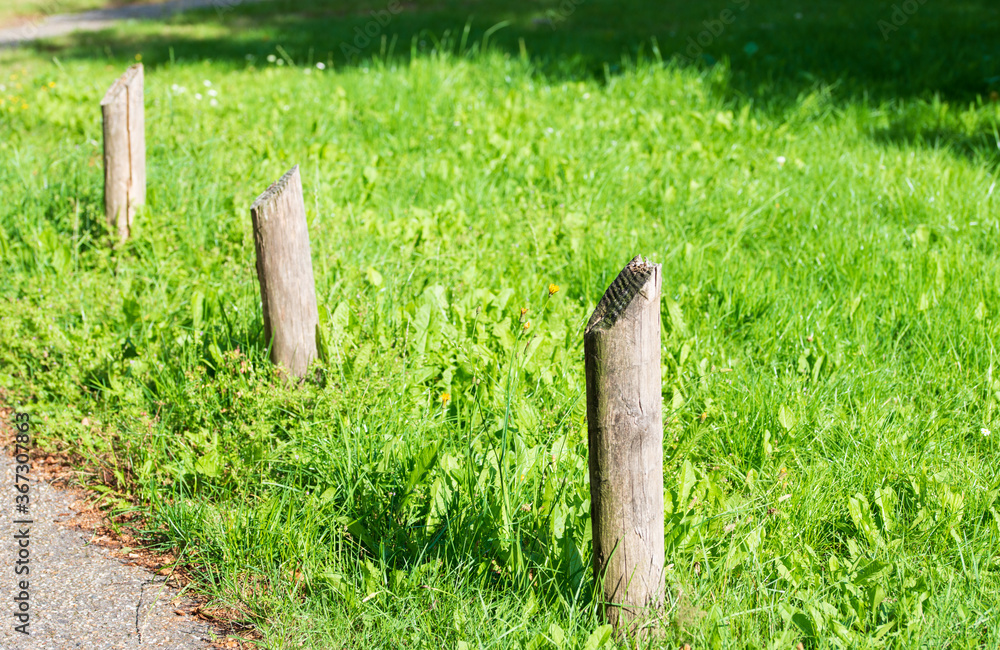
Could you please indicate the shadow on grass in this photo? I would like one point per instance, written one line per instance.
(777, 50)
(981, 142)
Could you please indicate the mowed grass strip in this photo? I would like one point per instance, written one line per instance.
(830, 311)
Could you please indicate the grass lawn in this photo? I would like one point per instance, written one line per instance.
(821, 195)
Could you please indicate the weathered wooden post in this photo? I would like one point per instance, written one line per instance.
(123, 108)
(284, 270)
(625, 455)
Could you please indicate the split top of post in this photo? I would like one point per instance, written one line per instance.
(121, 84)
(621, 293)
(276, 189)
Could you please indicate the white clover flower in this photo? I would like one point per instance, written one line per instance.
(208, 84)
(271, 58)
(213, 93)
(197, 96)
(781, 160)
(321, 66)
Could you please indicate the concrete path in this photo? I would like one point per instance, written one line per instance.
(78, 595)
(63, 24)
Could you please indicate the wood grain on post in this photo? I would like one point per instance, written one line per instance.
(123, 108)
(625, 454)
(284, 270)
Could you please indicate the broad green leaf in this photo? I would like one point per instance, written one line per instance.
(340, 323)
(423, 463)
(875, 597)
(373, 577)
(885, 500)
(598, 638)
(556, 635)
(786, 418)
(360, 532)
(804, 623)
(870, 572)
(677, 318)
(558, 520)
(530, 607)
(322, 346)
(440, 498)
(861, 515)
(339, 584)
(209, 464)
(132, 311)
(197, 309)
(817, 367)
(687, 480)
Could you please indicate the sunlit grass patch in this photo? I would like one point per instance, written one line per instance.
(829, 313)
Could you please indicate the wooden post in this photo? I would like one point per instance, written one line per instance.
(284, 270)
(124, 150)
(625, 454)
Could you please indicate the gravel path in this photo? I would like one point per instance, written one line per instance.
(80, 596)
(63, 24)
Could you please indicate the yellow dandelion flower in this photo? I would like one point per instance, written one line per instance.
(24, 107)
(524, 310)
(52, 84)
(526, 325)
(138, 57)
(553, 288)
(445, 398)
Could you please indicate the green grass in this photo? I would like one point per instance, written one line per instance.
(829, 251)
